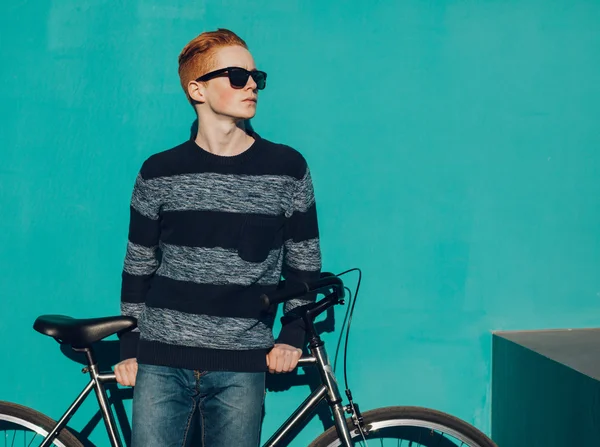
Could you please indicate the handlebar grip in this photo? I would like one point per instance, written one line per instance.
(298, 289)
(287, 293)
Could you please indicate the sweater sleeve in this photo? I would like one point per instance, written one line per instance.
(141, 258)
(302, 256)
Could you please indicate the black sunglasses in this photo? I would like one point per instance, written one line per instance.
(238, 77)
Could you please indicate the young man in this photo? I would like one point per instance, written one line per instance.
(215, 222)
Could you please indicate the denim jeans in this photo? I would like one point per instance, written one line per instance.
(223, 408)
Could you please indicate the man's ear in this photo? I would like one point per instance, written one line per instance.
(197, 90)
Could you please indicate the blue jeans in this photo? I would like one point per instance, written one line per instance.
(169, 404)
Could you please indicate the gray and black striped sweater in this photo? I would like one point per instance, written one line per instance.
(208, 235)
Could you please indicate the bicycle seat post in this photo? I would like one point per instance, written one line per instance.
(101, 395)
(92, 364)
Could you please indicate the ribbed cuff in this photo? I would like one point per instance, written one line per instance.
(128, 345)
(293, 334)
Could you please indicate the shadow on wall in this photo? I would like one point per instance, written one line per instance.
(107, 355)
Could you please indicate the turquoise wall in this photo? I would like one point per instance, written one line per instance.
(454, 147)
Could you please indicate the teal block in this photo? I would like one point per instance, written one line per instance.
(546, 388)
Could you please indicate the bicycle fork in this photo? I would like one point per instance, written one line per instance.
(333, 394)
(328, 391)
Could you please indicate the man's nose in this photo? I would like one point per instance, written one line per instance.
(251, 84)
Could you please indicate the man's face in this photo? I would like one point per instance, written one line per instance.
(221, 97)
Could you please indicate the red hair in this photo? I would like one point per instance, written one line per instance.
(198, 56)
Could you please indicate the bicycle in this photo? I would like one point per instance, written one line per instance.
(415, 425)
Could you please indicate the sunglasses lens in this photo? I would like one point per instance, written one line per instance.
(238, 78)
(260, 77)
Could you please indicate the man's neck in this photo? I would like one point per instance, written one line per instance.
(225, 138)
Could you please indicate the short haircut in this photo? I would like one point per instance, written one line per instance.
(198, 56)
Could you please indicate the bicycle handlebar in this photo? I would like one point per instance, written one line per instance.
(298, 289)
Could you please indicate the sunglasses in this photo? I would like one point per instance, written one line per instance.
(238, 77)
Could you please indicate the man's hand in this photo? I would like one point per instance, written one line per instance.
(283, 358)
(126, 371)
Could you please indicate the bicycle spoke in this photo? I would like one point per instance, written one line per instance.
(21, 436)
(32, 439)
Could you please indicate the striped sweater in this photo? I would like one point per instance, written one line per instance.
(208, 235)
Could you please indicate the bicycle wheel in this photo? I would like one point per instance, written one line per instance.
(409, 426)
(24, 426)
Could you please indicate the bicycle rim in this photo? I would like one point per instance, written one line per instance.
(409, 432)
(408, 427)
(15, 431)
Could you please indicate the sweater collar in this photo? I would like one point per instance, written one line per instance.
(223, 159)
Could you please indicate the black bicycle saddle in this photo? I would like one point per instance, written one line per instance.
(82, 332)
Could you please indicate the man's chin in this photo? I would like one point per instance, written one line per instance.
(246, 116)
(241, 116)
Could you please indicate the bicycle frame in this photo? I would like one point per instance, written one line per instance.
(97, 383)
(328, 390)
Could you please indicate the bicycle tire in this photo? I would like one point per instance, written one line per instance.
(414, 424)
(37, 422)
